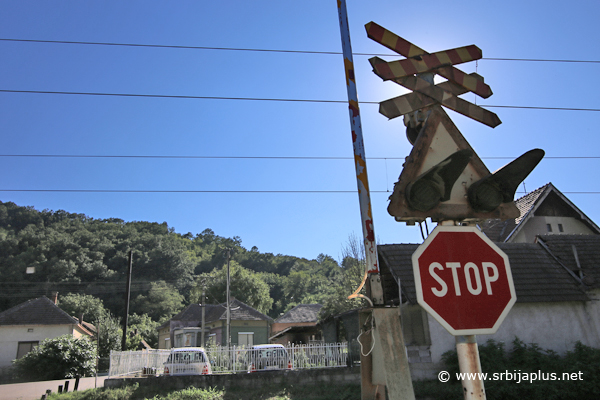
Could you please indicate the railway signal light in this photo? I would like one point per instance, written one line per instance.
(435, 185)
(488, 193)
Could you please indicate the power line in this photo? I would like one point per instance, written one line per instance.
(268, 50)
(165, 96)
(181, 191)
(257, 157)
(211, 191)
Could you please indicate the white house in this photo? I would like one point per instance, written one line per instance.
(24, 326)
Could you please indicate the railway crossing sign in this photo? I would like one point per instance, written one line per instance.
(418, 61)
(463, 280)
(443, 178)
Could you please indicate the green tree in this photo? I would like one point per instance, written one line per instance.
(77, 304)
(245, 285)
(145, 328)
(110, 334)
(58, 358)
(351, 277)
(162, 300)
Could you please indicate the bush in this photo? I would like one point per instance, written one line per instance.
(58, 358)
(522, 362)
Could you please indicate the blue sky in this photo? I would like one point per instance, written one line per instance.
(300, 224)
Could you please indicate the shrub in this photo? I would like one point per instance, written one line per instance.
(523, 361)
(58, 358)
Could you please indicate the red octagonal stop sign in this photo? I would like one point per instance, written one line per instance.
(463, 280)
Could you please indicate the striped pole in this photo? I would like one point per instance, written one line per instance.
(359, 148)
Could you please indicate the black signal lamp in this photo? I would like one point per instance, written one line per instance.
(500, 187)
(435, 185)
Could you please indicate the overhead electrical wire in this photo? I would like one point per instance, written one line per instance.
(167, 96)
(259, 157)
(248, 99)
(211, 191)
(160, 46)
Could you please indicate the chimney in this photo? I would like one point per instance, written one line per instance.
(55, 297)
(81, 319)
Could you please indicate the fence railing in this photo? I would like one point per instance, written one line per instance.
(239, 359)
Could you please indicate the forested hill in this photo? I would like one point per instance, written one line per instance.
(86, 258)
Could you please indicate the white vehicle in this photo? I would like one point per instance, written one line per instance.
(187, 361)
(264, 357)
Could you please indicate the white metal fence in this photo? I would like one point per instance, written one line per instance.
(236, 359)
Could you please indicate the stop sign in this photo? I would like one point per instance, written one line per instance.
(463, 280)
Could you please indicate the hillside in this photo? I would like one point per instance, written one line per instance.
(55, 251)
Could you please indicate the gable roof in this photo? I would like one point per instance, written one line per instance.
(579, 253)
(40, 311)
(503, 231)
(537, 276)
(301, 313)
(215, 312)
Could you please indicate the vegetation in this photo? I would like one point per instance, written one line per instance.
(266, 392)
(86, 261)
(57, 358)
(527, 360)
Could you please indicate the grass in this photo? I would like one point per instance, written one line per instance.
(271, 392)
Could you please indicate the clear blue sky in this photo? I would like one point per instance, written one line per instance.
(300, 224)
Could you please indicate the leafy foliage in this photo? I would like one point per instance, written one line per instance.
(247, 286)
(530, 369)
(86, 261)
(260, 392)
(78, 304)
(162, 300)
(58, 358)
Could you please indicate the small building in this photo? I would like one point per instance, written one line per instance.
(24, 326)
(298, 325)
(248, 326)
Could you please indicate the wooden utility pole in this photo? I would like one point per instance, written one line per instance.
(203, 311)
(228, 301)
(127, 297)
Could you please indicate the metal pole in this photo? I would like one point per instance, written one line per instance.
(203, 312)
(97, 352)
(127, 296)
(468, 363)
(228, 302)
(360, 164)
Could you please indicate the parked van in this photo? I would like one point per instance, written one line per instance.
(187, 361)
(264, 357)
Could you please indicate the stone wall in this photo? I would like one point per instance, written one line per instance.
(254, 380)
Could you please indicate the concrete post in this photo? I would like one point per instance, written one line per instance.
(395, 361)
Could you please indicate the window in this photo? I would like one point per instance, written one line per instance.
(246, 338)
(179, 340)
(549, 227)
(560, 228)
(212, 339)
(25, 347)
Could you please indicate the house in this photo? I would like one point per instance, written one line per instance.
(248, 326)
(298, 325)
(24, 326)
(554, 254)
(544, 211)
